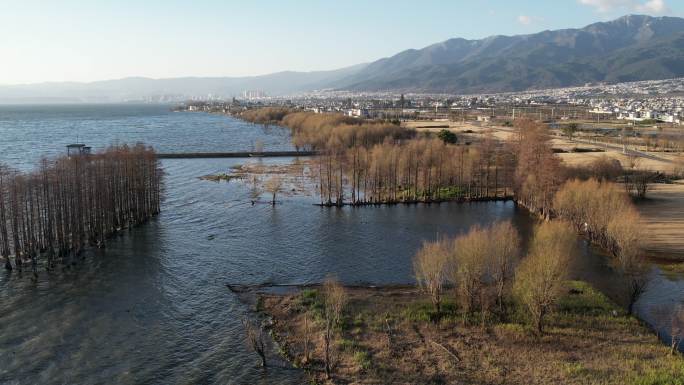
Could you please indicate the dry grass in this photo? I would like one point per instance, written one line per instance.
(663, 214)
(589, 341)
(295, 176)
(584, 158)
(665, 162)
(472, 129)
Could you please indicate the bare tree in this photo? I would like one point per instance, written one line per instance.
(676, 327)
(307, 340)
(540, 277)
(254, 190)
(633, 160)
(430, 268)
(254, 337)
(470, 266)
(4, 214)
(625, 231)
(335, 298)
(472, 270)
(639, 182)
(670, 319)
(273, 185)
(505, 255)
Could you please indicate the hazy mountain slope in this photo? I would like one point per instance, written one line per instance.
(136, 88)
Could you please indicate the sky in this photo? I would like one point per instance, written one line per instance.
(89, 40)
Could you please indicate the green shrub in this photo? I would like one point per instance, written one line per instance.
(311, 299)
(447, 136)
(425, 311)
(661, 377)
(363, 359)
(347, 345)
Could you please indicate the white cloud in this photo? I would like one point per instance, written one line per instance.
(524, 20)
(652, 6)
(641, 6)
(606, 5)
(528, 20)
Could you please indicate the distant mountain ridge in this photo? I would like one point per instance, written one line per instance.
(138, 88)
(630, 48)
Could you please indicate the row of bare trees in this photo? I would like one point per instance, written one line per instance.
(330, 132)
(484, 266)
(367, 161)
(418, 170)
(265, 115)
(606, 215)
(371, 162)
(538, 171)
(380, 163)
(480, 264)
(71, 202)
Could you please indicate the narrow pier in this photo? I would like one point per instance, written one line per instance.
(245, 154)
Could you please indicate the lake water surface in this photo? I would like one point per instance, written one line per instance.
(153, 307)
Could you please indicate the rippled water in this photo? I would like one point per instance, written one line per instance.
(29, 132)
(153, 307)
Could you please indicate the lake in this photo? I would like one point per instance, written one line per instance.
(153, 308)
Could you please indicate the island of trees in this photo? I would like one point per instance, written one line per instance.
(374, 162)
(69, 203)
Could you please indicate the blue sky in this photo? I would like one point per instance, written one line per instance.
(97, 39)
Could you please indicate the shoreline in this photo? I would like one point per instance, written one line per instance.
(416, 202)
(389, 333)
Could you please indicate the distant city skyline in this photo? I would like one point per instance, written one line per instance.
(86, 41)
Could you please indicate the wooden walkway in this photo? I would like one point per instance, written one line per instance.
(264, 154)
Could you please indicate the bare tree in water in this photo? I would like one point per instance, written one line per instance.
(72, 202)
(254, 336)
(254, 189)
(273, 185)
(625, 231)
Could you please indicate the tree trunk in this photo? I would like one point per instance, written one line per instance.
(327, 337)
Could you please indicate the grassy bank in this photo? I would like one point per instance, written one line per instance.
(393, 335)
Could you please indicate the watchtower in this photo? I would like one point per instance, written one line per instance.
(77, 149)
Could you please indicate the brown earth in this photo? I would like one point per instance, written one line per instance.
(387, 337)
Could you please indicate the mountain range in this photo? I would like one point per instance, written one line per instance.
(631, 48)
